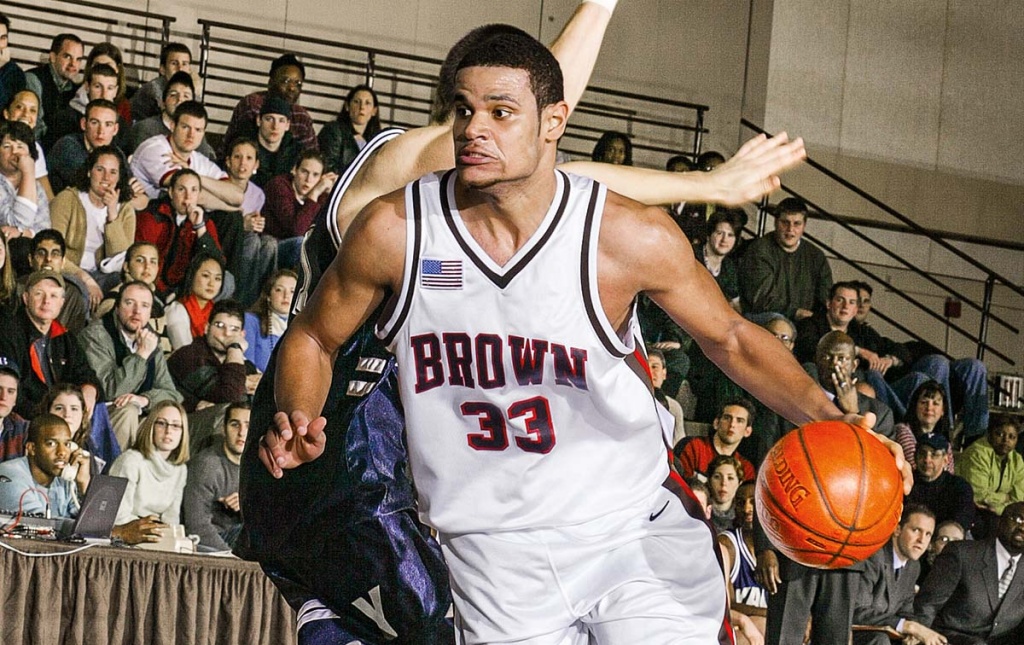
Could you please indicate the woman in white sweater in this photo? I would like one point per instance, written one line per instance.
(155, 467)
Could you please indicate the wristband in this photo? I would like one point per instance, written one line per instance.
(237, 346)
(607, 4)
(196, 227)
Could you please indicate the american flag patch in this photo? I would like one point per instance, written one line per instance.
(441, 274)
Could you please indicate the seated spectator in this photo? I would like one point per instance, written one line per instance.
(836, 316)
(724, 475)
(13, 429)
(945, 532)
(358, 121)
(277, 149)
(781, 274)
(12, 78)
(24, 208)
(50, 353)
(104, 79)
(95, 215)
(157, 158)
(293, 200)
(886, 596)
(723, 230)
(124, 352)
(155, 467)
(46, 253)
(93, 435)
(975, 591)
(141, 263)
(691, 218)
(146, 103)
(212, 372)
(287, 74)
(906, 365)
(178, 89)
(614, 148)
(258, 255)
(924, 417)
(995, 470)
(178, 227)
(210, 506)
(55, 83)
(748, 602)
(949, 496)
(709, 160)
(24, 107)
(69, 155)
(731, 426)
(188, 316)
(656, 362)
(268, 320)
(33, 483)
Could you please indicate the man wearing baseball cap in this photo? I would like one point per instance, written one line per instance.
(49, 353)
(13, 429)
(949, 496)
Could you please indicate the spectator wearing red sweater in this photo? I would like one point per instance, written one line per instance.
(731, 426)
(293, 200)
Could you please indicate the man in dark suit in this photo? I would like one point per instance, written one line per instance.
(974, 594)
(884, 604)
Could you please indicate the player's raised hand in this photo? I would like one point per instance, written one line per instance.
(291, 442)
(754, 170)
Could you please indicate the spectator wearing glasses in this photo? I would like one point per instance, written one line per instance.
(212, 371)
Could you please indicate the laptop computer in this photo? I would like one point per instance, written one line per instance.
(99, 511)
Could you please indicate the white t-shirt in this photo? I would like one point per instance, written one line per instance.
(95, 221)
(41, 169)
(150, 164)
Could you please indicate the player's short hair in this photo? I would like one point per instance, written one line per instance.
(173, 48)
(444, 96)
(190, 108)
(179, 78)
(739, 402)
(520, 51)
(58, 42)
(18, 131)
(915, 508)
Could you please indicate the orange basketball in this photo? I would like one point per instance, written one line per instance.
(829, 494)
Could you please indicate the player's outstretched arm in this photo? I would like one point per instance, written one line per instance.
(748, 175)
(578, 45)
(351, 289)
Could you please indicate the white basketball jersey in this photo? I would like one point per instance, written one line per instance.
(524, 407)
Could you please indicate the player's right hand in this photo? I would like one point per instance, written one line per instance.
(291, 442)
(767, 571)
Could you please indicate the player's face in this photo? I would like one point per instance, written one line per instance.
(188, 133)
(1011, 528)
(745, 506)
(723, 239)
(236, 429)
(208, 280)
(281, 294)
(930, 462)
(929, 410)
(222, 331)
(306, 176)
(499, 136)
(732, 425)
(100, 126)
(1003, 439)
(243, 162)
(658, 372)
(102, 87)
(789, 228)
(167, 431)
(865, 305)
(144, 264)
(68, 60)
(176, 62)
(843, 306)
(24, 108)
(69, 407)
(185, 194)
(361, 108)
(8, 394)
(942, 537)
(914, 536)
(48, 255)
(44, 301)
(176, 95)
(135, 309)
(51, 452)
(724, 482)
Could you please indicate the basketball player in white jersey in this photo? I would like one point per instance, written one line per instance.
(534, 445)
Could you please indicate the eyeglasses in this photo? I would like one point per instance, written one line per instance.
(163, 424)
(946, 538)
(43, 254)
(1016, 518)
(234, 329)
(292, 82)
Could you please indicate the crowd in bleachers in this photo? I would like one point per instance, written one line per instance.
(145, 279)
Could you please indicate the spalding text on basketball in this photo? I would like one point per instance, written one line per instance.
(794, 489)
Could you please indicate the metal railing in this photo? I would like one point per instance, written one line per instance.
(991, 280)
(139, 34)
(235, 60)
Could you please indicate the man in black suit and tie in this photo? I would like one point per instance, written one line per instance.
(884, 604)
(974, 594)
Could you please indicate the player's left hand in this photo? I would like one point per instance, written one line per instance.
(867, 422)
(292, 441)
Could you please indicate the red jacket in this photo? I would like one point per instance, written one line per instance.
(176, 245)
